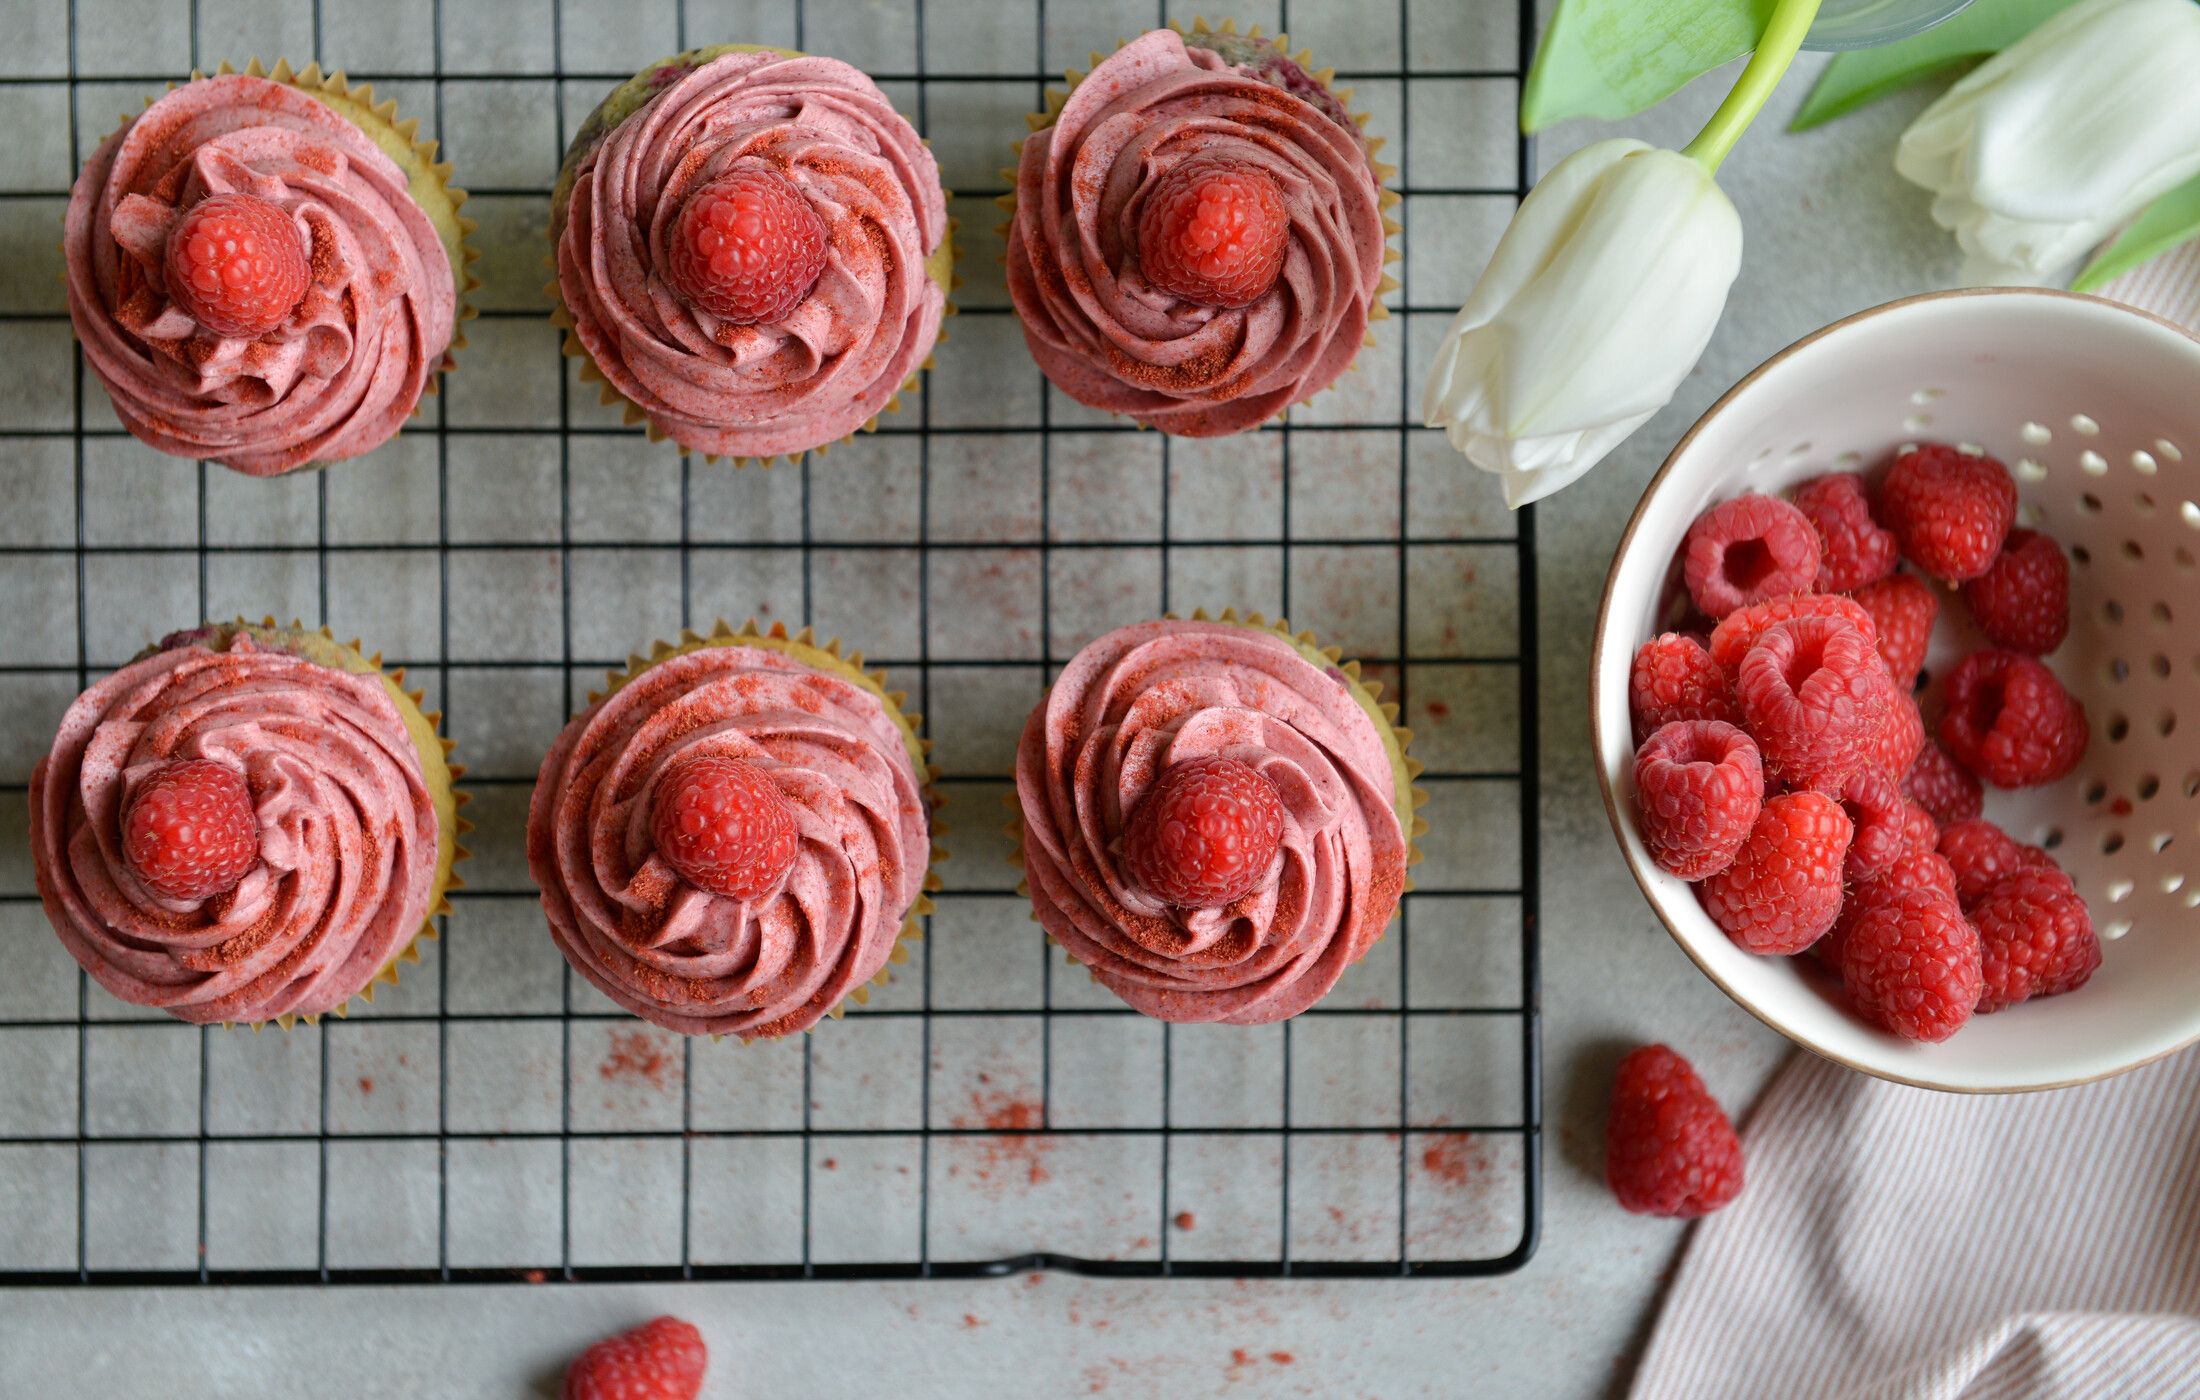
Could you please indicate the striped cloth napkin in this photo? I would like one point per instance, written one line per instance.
(1900, 1244)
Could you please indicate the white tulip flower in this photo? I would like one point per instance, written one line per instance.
(2048, 147)
(1600, 299)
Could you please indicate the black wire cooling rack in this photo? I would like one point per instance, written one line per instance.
(492, 1119)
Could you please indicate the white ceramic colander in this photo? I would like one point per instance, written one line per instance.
(2095, 408)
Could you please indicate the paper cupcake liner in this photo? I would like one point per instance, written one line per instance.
(319, 645)
(804, 647)
(400, 140)
(623, 101)
(1408, 797)
(1386, 198)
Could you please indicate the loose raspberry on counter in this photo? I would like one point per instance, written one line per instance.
(746, 248)
(1747, 550)
(1814, 695)
(1784, 888)
(1943, 787)
(663, 1359)
(1887, 825)
(1698, 787)
(1739, 631)
(1982, 855)
(1950, 510)
(1910, 962)
(1204, 834)
(1857, 550)
(189, 830)
(2008, 719)
(1668, 1146)
(723, 826)
(1674, 678)
(2023, 601)
(236, 264)
(1213, 232)
(1903, 611)
(1899, 741)
(2036, 937)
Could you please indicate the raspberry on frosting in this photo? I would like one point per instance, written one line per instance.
(1131, 298)
(1146, 701)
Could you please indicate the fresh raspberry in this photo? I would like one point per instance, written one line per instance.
(1814, 695)
(1914, 869)
(1943, 787)
(1698, 786)
(1784, 889)
(1204, 834)
(1668, 1147)
(236, 264)
(1674, 678)
(1982, 855)
(1903, 610)
(722, 825)
(1739, 631)
(189, 830)
(1747, 550)
(2008, 719)
(1857, 550)
(1213, 232)
(2035, 938)
(1887, 825)
(663, 1359)
(747, 247)
(1949, 509)
(1899, 741)
(1910, 962)
(2023, 601)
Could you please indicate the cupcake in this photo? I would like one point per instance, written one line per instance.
(245, 824)
(1196, 234)
(265, 270)
(753, 251)
(734, 838)
(1216, 816)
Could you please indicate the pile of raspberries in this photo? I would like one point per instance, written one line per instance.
(1784, 767)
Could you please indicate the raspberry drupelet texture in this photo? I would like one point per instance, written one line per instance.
(1747, 550)
(1668, 1146)
(2008, 719)
(1784, 888)
(2036, 937)
(1949, 509)
(1887, 825)
(1982, 855)
(1913, 870)
(1674, 678)
(1903, 611)
(1901, 738)
(1739, 631)
(1213, 232)
(1698, 786)
(236, 264)
(1204, 834)
(1943, 787)
(1856, 549)
(1910, 962)
(723, 826)
(1814, 695)
(2023, 601)
(189, 831)
(746, 248)
(663, 1359)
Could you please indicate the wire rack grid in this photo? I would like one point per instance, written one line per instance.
(492, 1118)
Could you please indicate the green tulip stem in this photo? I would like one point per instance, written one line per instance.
(1791, 20)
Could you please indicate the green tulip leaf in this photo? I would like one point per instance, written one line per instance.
(2167, 222)
(1863, 76)
(1613, 58)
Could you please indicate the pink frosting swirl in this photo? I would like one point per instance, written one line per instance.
(1107, 337)
(348, 856)
(833, 363)
(1145, 697)
(706, 964)
(345, 371)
